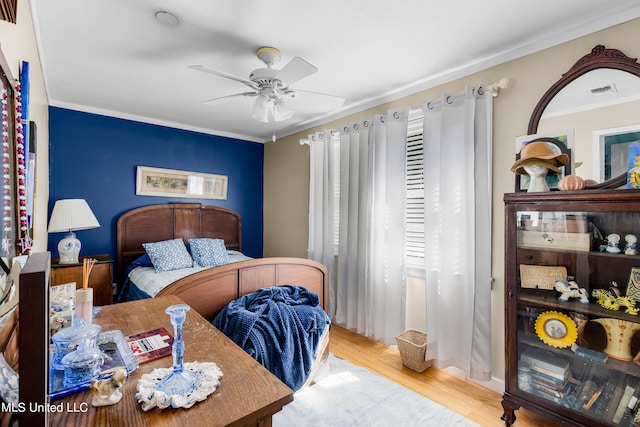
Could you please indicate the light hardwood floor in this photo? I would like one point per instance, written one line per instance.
(475, 402)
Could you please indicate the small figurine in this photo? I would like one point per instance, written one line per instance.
(612, 300)
(612, 243)
(630, 247)
(571, 290)
(107, 392)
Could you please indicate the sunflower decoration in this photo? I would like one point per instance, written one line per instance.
(634, 173)
(556, 329)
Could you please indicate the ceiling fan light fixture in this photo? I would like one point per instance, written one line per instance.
(281, 112)
(260, 109)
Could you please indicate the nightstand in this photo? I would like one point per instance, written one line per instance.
(100, 279)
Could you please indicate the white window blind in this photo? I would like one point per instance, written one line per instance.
(414, 246)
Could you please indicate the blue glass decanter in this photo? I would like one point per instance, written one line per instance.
(179, 381)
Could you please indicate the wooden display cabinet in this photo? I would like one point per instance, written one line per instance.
(558, 231)
(100, 279)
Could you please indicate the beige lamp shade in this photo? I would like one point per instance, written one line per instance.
(70, 215)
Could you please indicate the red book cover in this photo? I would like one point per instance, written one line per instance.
(151, 345)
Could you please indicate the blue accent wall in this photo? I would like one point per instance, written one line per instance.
(94, 157)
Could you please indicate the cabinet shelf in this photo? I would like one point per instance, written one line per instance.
(592, 309)
(611, 364)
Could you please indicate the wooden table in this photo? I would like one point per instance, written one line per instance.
(248, 394)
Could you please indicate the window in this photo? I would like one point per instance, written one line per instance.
(414, 217)
(414, 239)
(8, 10)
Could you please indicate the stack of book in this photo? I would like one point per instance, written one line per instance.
(550, 374)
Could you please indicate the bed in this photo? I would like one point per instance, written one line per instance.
(210, 290)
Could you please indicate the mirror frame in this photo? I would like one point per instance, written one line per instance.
(600, 57)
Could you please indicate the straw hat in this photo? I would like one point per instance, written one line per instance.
(539, 153)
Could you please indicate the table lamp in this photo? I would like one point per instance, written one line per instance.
(70, 215)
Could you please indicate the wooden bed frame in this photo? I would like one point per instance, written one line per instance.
(208, 291)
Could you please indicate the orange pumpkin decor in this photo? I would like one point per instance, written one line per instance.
(571, 183)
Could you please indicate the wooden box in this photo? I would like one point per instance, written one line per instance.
(568, 225)
(554, 240)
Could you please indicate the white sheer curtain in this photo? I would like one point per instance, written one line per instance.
(350, 285)
(370, 285)
(321, 202)
(457, 182)
(386, 281)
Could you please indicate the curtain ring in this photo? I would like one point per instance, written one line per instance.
(480, 90)
(381, 119)
(449, 101)
(396, 115)
(355, 126)
(313, 137)
(321, 136)
(346, 129)
(366, 123)
(429, 105)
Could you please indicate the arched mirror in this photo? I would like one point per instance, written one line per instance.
(595, 101)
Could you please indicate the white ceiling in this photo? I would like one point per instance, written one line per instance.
(113, 57)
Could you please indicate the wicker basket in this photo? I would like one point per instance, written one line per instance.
(413, 347)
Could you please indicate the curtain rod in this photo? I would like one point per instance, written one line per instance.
(494, 88)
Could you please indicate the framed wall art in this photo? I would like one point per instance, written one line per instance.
(176, 183)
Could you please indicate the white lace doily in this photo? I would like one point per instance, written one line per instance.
(148, 397)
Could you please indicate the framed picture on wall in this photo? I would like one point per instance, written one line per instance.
(175, 183)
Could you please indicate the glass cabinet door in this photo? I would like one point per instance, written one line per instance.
(577, 283)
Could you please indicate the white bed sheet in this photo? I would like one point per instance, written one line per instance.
(150, 282)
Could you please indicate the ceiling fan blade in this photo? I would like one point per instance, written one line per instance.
(321, 100)
(295, 70)
(215, 101)
(225, 75)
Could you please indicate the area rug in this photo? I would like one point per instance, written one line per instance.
(353, 396)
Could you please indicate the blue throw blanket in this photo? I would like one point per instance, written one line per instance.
(280, 327)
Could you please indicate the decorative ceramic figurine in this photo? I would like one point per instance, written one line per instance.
(107, 392)
(571, 290)
(630, 247)
(611, 300)
(612, 243)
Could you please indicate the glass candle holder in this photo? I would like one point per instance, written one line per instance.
(178, 381)
(69, 339)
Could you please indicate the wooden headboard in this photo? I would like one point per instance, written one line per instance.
(170, 221)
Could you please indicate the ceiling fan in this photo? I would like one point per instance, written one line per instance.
(271, 87)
